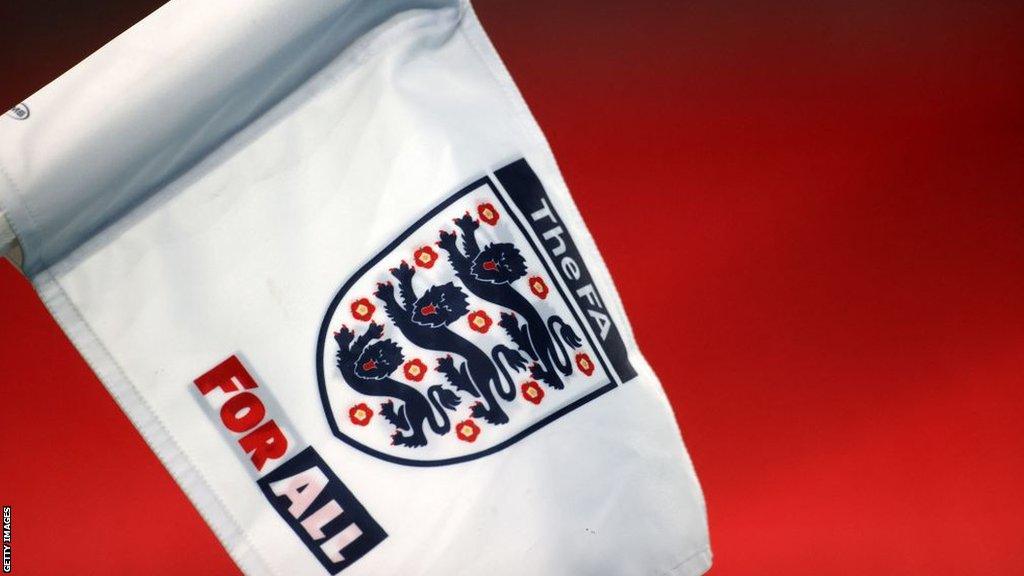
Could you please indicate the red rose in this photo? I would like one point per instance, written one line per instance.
(363, 309)
(487, 213)
(539, 287)
(532, 392)
(467, 430)
(425, 257)
(414, 370)
(584, 363)
(479, 321)
(360, 414)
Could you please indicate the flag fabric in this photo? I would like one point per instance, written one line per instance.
(9, 246)
(322, 256)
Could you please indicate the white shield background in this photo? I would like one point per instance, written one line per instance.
(374, 436)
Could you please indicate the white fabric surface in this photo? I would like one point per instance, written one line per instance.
(202, 186)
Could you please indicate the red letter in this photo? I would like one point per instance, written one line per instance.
(246, 402)
(265, 442)
(224, 375)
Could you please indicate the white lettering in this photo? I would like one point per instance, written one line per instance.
(603, 322)
(590, 295)
(317, 520)
(333, 547)
(544, 212)
(556, 233)
(571, 268)
(301, 489)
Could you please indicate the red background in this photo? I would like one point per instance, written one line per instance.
(814, 214)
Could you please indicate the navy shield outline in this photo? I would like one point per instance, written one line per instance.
(463, 335)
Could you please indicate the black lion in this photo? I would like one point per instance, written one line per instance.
(425, 321)
(489, 274)
(367, 368)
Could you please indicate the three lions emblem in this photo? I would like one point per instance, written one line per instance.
(464, 334)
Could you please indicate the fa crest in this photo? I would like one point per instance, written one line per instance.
(468, 332)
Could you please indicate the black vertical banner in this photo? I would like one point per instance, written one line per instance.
(525, 190)
(339, 530)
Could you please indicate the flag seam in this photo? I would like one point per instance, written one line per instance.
(188, 476)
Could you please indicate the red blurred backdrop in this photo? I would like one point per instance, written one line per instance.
(828, 197)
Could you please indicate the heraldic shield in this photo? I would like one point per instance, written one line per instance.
(475, 327)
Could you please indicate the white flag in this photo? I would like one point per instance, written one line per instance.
(322, 256)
